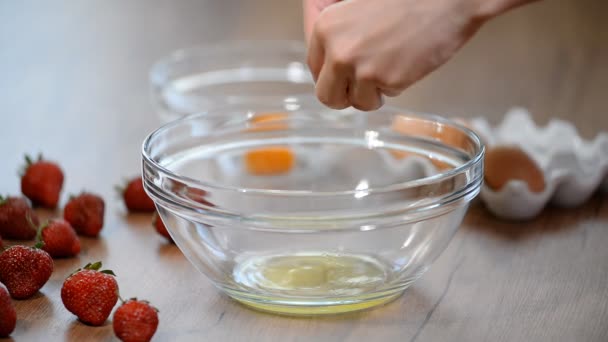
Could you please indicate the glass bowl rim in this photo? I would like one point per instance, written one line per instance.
(439, 177)
(158, 70)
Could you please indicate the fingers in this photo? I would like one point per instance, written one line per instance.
(365, 96)
(331, 78)
(316, 56)
(332, 86)
(334, 71)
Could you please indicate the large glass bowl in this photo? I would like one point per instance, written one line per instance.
(201, 78)
(312, 212)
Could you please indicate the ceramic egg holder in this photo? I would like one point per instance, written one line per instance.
(573, 168)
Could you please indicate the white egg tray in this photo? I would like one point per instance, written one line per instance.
(574, 168)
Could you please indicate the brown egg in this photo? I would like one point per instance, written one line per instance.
(505, 163)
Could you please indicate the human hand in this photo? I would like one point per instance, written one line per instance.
(361, 50)
(312, 9)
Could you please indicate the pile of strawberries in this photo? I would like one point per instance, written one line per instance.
(89, 293)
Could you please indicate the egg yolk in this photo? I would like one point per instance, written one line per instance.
(269, 160)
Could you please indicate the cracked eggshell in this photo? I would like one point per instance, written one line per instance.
(574, 168)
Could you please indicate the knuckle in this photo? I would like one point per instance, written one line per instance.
(341, 59)
(344, 55)
(366, 75)
(394, 81)
(323, 25)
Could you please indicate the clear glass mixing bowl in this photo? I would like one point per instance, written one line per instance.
(202, 78)
(312, 212)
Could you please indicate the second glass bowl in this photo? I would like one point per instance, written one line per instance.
(202, 78)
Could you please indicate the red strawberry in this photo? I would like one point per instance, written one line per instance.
(135, 197)
(17, 219)
(85, 213)
(135, 321)
(59, 239)
(24, 270)
(90, 294)
(8, 315)
(41, 182)
(160, 227)
(1, 243)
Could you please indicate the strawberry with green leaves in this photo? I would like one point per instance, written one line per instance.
(17, 219)
(58, 238)
(41, 182)
(85, 212)
(135, 321)
(24, 270)
(90, 294)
